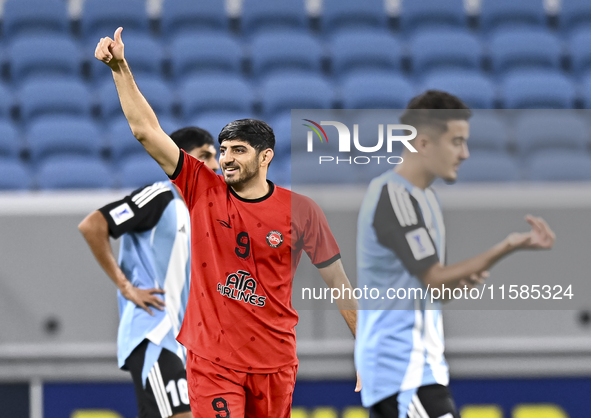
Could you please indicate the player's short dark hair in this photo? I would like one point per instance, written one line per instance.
(191, 137)
(255, 132)
(434, 108)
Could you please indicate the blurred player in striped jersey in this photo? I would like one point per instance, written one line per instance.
(153, 277)
(401, 244)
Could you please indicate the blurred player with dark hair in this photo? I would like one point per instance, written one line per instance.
(153, 272)
(247, 239)
(401, 244)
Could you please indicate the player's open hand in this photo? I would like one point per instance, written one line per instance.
(541, 237)
(110, 51)
(144, 298)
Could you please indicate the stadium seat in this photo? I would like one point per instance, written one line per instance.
(214, 122)
(545, 130)
(14, 175)
(475, 89)
(155, 90)
(215, 93)
(194, 54)
(74, 173)
(363, 50)
(574, 15)
(10, 143)
(488, 132)
(580, 51)
(280, 170)
(26, 17)
(560, 166)
(489, 167)
(272, 15)
(95, 413)
(585, 91)
(35, 55)
(324, 412)
(539, 411)
(285, 52)
(355, 412)
(182, 16)
(524, 48)
(6, 101)
(442, 49)
(349, 15)
(65, 135)
(53, 96)
(140, 170)
(298, 412)
(100, 18)
(282, 129)
(432, 14)
(511, 14)
(144, 54)
(537, 89)
(170, 124)
(481, 411)
(121, 142)
(283, 93)
(376, 90)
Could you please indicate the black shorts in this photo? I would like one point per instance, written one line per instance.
(433, 401)
(166, 392)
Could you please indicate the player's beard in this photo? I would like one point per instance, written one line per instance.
(247, 172)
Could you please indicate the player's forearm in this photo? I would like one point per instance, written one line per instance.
(335, 278)
(450, 276)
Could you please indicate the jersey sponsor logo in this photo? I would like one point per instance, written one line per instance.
(121, 213)
(242, 287)
(420, 243)
(274, 239)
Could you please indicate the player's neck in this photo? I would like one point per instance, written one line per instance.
(415, 174)
(255, 188)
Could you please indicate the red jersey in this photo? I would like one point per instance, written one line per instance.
(244, 256)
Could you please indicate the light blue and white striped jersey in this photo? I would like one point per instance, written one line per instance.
(155, 253)
(399, 344)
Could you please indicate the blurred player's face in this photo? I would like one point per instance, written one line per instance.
(207, 154)
(445, 154)
(240, 162)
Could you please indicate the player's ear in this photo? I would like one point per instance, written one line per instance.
(266, 156)
(421, 142)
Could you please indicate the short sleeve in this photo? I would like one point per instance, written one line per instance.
(140, 211)
(315, 234)
(192, 178)
(399, 226)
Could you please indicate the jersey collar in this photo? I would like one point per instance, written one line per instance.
(257, 200)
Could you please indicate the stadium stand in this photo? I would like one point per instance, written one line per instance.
(14, 175)
(140, 170)
(74, 172)
(101, 17)
(189, 16)
(372, 90)
(432, 14)
(496, 14)
(538, 89)
(489, 167)
(10, 143)
(560, 166)
(474, 88)
(34, 17)
(271, 15)
(338, 15)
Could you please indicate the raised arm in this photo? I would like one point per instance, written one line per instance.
(142, 119)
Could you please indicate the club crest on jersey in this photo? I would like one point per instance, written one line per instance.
(241, 286)
(274, 239)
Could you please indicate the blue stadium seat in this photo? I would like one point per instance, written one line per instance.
(444, 49)
(538, 89)
(214, 122)
(280, 170)
(10, 142)
(36, 17)
(101, 18)
(140, 170)
(580, 51)
(488, 132)
(53, 96)
(489, 167)
(560, 166)
(285, 51)
(170, 124)
(14, 175)
(364, 50)
(193, 54)
(283, 93)
(182, 16)
(574, 15)
(524, 48)
(74, 173)
(305, 169)
(543, 130)
(475, 89)
(376, 90)
(52, 136)
(348, 15)
(215, 93)
(272, 15)
(586, 91)
(282, 129)
(6, 101)
(432, 14)
(155, 90)
(36, 55)
(144, 54)
(511, 14)
(122, 143)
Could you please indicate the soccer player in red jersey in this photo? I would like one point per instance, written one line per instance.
(247, 239)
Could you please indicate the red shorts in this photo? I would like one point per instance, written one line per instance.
(218, 392)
